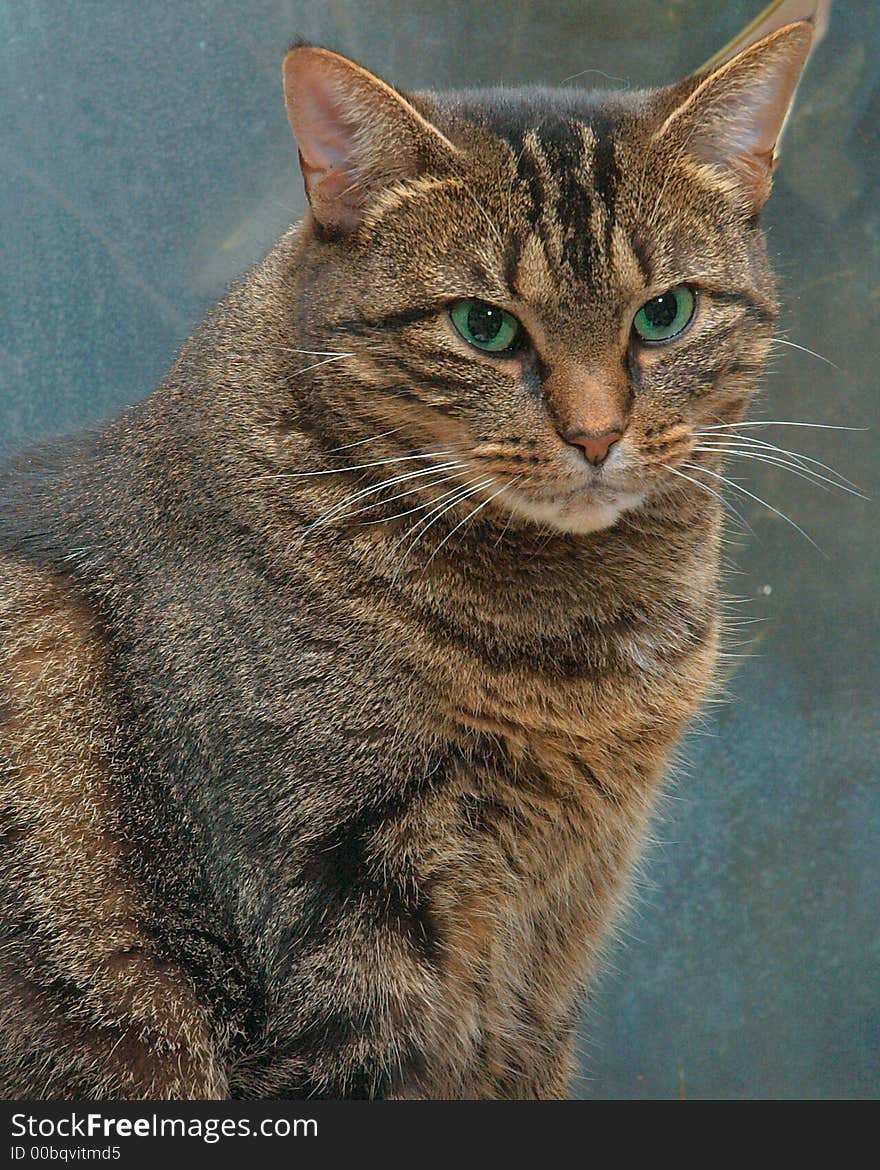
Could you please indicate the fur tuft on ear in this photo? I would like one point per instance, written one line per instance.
(733, 120)
(356, 135)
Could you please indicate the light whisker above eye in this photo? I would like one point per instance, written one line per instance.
(485, 214)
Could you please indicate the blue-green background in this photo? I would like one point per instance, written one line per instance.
(145, 160)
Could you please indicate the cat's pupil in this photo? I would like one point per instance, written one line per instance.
(484, 321)
(661, 311)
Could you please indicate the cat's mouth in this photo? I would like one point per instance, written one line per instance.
(568, 494)
(578, 510)
(564, 491)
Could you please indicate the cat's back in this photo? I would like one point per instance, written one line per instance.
(50, 647)
(47, 627)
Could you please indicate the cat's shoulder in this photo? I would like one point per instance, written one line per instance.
(38, 508)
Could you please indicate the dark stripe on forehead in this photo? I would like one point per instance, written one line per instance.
(529, 174)
(641, 247)
(512, 254)
(606, 175)
(565, 152)
(562, 176)
(563, 214)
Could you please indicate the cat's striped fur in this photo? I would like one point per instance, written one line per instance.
(310, 792)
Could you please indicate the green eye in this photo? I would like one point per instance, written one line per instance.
(664, 317)
(485, 326)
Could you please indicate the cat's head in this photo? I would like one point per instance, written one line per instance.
(545, 295)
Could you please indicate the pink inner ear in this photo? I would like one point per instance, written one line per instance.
(355, 134)
(325, 141)
(319, 107)
(735, 116)
(314, 109)
(754, 124)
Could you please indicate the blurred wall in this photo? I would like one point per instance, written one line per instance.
(145, 160)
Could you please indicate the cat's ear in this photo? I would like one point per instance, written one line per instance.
(732, 120)
(775, 16)
(356, 135)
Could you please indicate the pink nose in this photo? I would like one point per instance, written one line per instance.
(595, 447)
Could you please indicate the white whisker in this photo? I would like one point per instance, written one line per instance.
(710, 491)
(357, 467)
(313, 352)
(806, 473)
(486, 216)
(362, 493)
(419, 529)
(417, 508)
(803, 349)
(781, 423)
(503, 531)
(324, 362)
(343, 507)
(360, 442)
(772, 460)
(751, 442)
(469, 516)
(681, 154)
(739, 488)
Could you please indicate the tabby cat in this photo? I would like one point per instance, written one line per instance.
(338, 677)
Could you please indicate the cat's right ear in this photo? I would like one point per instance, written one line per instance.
(730, 122)
(356, 135)
(775, 16)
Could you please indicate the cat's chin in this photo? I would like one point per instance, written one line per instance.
(577, 516)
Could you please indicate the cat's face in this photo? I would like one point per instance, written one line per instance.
(559, 294)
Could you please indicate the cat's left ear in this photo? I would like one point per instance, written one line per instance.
(356, 135)
(731, 122)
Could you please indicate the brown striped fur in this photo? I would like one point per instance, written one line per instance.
(315, 793)
(138, 1029)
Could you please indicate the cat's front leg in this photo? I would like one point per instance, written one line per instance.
(371, 1024)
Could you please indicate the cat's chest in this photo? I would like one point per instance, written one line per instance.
(521, 859)
(555, 777)
(603, 711)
